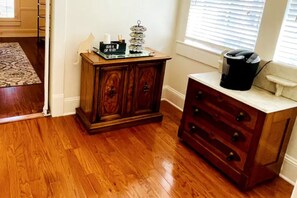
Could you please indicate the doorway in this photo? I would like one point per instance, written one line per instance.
(27, 101)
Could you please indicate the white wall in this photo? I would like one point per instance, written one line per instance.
(74, 20)
(188, 60)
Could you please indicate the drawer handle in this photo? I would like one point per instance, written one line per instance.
(195, 111)
(235, 137)
(146, 87)
(240, 117)
(199, 95)
(111, 92)
(230, 157)
(193, 128)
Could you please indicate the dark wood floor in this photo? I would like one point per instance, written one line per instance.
(55, 157)
(29, 99)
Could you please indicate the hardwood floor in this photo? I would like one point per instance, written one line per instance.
(55, 157)
(23, 100)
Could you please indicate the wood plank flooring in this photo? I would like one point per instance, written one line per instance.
(29, 99)
(55, 157)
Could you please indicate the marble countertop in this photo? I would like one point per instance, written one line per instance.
(258, 98)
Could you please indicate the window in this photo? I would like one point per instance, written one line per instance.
(9, 13)
(286, 50)
(228, 23)
(7, 9)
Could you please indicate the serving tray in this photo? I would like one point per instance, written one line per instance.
(144, 53)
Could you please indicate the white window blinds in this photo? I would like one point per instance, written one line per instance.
(286, 50)
(229, 23)
(6, 8)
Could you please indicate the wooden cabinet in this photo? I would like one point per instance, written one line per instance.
(246, 142)
(120, 93)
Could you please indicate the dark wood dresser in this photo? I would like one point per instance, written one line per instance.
(120, 93)
(243, 133)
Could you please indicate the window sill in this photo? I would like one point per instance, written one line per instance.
(199, 52)
(10, 22)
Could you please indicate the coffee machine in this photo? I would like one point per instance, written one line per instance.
(239, 69)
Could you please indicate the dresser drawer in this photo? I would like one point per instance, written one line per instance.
(232, 110)
(231, 156)
(211, 122)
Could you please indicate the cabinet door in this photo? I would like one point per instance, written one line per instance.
(112, 86)
(146, 88)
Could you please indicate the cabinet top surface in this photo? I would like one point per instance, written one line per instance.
(98, 60)
(258, 98)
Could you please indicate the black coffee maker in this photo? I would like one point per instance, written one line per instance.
(239, 69)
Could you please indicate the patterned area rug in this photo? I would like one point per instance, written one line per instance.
(15, 67)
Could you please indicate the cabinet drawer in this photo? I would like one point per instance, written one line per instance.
(228, 108)
(232, 156)
(222, 164)
(209, 121)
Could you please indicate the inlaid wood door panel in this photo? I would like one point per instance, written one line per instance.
(145, 87)
(111, 92)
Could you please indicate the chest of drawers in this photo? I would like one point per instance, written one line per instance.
(246, 142)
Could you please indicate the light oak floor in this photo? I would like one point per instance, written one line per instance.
(55, 157)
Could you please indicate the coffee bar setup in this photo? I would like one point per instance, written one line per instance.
(121, 88)
(241, 129)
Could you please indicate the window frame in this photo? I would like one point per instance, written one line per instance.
(12, 21)
(281, 38)
(198, 43)
(265, 45)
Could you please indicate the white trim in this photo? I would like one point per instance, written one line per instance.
(294, 193)
(206, 55)
(173, 97)
(289, 169)
(57, 105)
(70, 104)
(46, 59)
(57, 57)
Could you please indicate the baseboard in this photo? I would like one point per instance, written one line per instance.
(57, 105)
(289, 169)
(70, 104)
(174, 97)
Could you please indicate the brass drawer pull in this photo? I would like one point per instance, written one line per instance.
(230, 157)
(199, 95)
(193, 128)
(195, 110)
(235, 137)
(240, 117)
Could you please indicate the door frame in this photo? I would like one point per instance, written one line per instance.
(45, 110)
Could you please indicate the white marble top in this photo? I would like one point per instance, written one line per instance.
(256, 97)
